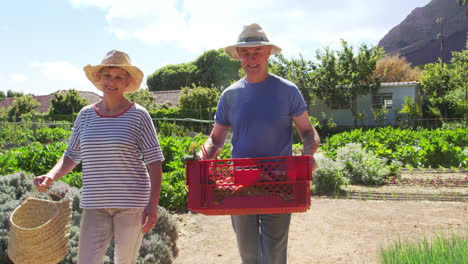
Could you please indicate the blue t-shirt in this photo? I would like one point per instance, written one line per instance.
(260, 116)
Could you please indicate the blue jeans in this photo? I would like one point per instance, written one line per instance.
(262, 239)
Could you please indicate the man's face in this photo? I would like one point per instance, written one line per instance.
(254, 61)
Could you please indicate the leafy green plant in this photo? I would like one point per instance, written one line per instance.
(440, 250)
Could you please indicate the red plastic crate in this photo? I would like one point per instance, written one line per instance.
(249, 186)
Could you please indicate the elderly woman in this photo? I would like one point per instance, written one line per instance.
(117, 144)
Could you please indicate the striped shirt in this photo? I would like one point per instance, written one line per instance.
(113, 152)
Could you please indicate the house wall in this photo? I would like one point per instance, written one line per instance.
(364, 104)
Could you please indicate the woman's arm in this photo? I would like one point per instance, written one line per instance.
(150, 213)
(61, 168)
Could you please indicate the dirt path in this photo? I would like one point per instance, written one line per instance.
(332, 231)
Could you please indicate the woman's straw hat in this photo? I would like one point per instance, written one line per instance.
(252, 36)
(115, 58)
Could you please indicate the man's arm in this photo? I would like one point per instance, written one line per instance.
(214, 143)
(309, 136)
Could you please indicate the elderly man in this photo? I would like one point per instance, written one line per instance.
(260, 110)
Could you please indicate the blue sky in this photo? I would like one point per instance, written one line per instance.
(45, 44)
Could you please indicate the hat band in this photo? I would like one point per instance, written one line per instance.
(253, 39)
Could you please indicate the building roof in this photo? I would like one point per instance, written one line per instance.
(399, 83)
(44, 100)
(171, 96)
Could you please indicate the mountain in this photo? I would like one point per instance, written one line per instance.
(417, 36)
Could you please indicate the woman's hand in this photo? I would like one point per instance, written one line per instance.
(42, 182)
(149, 217)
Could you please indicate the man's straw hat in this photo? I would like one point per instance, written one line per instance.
(252, 36)
(115, 58)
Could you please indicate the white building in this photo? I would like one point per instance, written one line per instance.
(390, 95)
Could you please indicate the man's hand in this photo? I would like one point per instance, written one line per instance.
(314, 164)
(42, 183)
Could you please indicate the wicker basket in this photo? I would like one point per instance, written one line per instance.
(39, 231)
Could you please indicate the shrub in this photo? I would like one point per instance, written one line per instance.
(159, 245)
(328, 177)
(361, 166)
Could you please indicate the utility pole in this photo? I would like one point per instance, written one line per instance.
(441, 21)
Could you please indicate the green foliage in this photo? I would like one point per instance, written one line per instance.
(11, 93)
(328, 177)
(173, 190)
(340, 76)
(13, 135)
(158, 246)
(410, 108)
(215, 69)
(49, 135)
(168, 129)
(2, 95)
(20, 107)
(379, 115)
(171, 77)
(142, 97)
(299, 71)
(198, 98)
(34, 158)
(423, 148)
(68, 103)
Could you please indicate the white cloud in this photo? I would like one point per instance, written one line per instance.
(60, 71)
(18, 77)
(198, 25)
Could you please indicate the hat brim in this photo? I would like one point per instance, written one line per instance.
(135, 73)
(231, 51)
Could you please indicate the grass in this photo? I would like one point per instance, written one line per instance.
(441, 250)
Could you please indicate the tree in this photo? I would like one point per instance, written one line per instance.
(437, 81)
(2, 95)
(70, 103)
(25, 104)
(198, 97)
(11, 93)
(211, 69)
(143, 97)
(171, 77)
(340, 77)
(394, 68)
(215, 69)
(299, 71)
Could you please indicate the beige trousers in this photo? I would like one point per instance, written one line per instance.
(98, 226)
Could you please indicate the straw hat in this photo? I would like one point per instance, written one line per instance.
(115, 58)
(252, 36)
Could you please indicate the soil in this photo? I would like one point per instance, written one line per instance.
(332, 231)
(349, 228)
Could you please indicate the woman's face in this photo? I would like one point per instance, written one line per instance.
(113, 80)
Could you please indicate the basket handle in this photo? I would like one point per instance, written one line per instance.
(47, 193)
